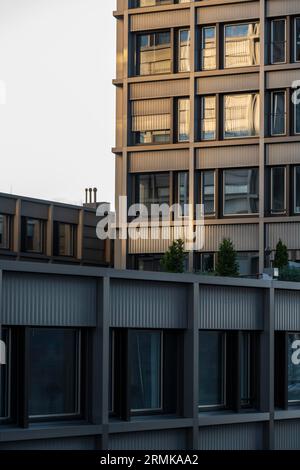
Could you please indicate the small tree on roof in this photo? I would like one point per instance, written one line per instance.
(173, 259)
(281, 256)
(227, 265)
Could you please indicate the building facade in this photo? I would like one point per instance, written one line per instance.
(207, 113)
(47, 231)
(122, 360)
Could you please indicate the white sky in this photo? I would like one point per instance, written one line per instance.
(57, 59)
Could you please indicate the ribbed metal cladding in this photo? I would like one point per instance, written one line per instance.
(283, 154)
(159, 89)
(228, 12)
(161, 19)
(287, 314)
(227, 157)
(78, 443)
(279, 7)
(161, 160)
(150, 440)
(231, 308)
(287, 435)
(228, 83)
(37, 299)
(244, 236)
(231, 437)
(281, 79)
(136, 304)
(289, 233)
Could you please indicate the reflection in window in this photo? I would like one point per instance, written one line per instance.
(145, 370)
(293, 367)
(297, 39)
(297, 118)
(297, 190)
(278, 113)
(153, 189)
(34, 235)
(4, 376)
(65, 240)
(208, 117)
(54, 372)
(151, 121)
(208, 192)
(278, 190)
(183, 120)
(211, 369)
(183, 192)
(184, 40)
(205, 262)
(241, 115)
(241, 191)
(209, 48)
(154, 55)
(278, 41)
(4, 232)
(242, 46)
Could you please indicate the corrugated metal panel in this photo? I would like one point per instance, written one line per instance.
(227, 157)
(162, 160)
(119, 117)
(244, 236)
(149, 107)
(34, 209)
(282, 78)
(287, 153)
(228, 12)
(66, 214)
(7, 205)
(82, 443)
(150, 440)
(136, 304)
(159, 89)
(228, 83)
(37, 299)
(288, 232)
(287, 435)
(231, 308)
(161, 19)
(279, 7)
(287, 314)
(231, 437)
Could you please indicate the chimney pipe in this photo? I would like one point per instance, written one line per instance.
(95, 195)
(86, 195)
(90, 191)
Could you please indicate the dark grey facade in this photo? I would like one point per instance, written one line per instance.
(96, 302)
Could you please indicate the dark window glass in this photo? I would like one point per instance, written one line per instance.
(208, 192)
(183, 192)
(145, 370)
(66, 240)
(297, 39)
(154, 55)
(153, 189)
(205, 262)
(242, 46)
(149, 263)
(245, 361)
(34, 238)
(294, 367)
(278, 190)
(297, 117)
(4, 374)
(278, 113)
(248, 263)
(241, 191)
(211, 368)
(297, 190)
(54, 372)
(4, 231)
(278, 41)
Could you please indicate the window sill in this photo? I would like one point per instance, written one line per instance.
(293, 412)
(144, 423)
(211, 418)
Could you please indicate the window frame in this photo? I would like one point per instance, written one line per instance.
(295, 189)
(202, 118)
(202, 174)
(203, 49)
(7, 226)
(247, 214)
(273, 93)
(178, 55)
(297, 18)
(137, 58)
(295, 114)
(242, 137)
(224, 42)
(273, 211)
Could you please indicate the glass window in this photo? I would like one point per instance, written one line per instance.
(248, 263)
(241, 115)
(145, 370)
(183, 120)
(65, 245)
(149, 263)
(54, 372)
(154, 54)
(209, 48)
(297, 190)
(208, 192)
(149, 3)
(4, 232)
(211, 369)
(297, 118)
(242, 46)
(297, 39)
(278, 41)
(184, 41)
(34, 236)
(246, 363)
(205, 262)
(241, 191)
(151, 121)
(278, 126)
(183, 192)
(153, 189)
(208, 118)
(294, 367)
(5, 375)
(278, 204)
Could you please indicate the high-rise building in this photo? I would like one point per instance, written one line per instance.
(208, 113)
